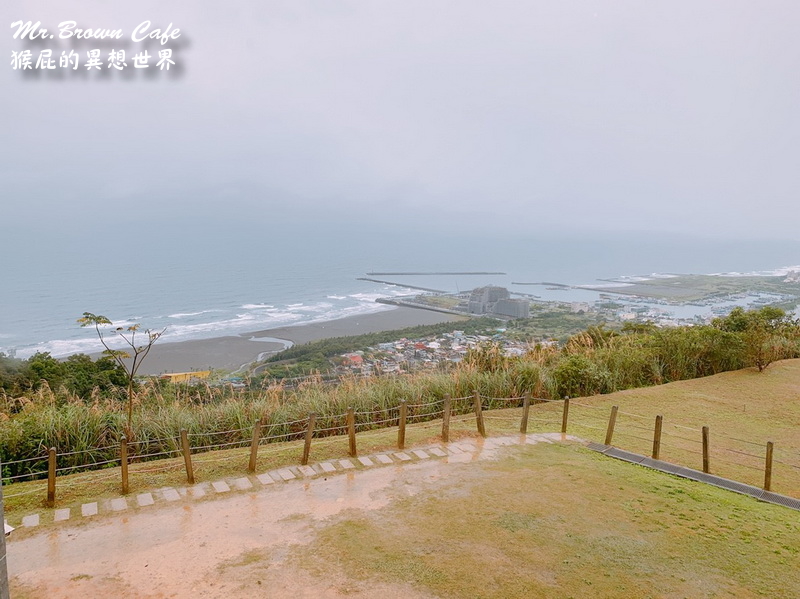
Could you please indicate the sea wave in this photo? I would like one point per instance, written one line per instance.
(187, 314)
(777, 272)
(246, 321)
(605, 285)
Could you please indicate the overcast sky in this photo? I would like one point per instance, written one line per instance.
(600, 115)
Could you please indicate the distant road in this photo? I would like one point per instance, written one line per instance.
(383, 274)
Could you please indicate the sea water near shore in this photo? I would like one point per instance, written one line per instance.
(200, 285)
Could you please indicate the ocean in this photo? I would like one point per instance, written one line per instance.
(201, 280)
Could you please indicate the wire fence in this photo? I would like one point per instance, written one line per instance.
(757, 462)
(731, 456)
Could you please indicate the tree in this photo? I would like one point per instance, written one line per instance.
(135, 359)
(769, 333)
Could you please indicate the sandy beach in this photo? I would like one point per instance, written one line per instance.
(231, 352)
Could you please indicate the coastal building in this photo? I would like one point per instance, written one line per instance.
(515, 308)
(483, 299)
(497, 300)
(185, 377)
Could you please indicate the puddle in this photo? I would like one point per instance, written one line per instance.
(178, 550)
(153, 553)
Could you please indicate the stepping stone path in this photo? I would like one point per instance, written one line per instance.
(220, 486)
(171, 494)
(265, 479)
(243, 484)
(32, 520)
(62, 514)
(455, 452)
(286, 474)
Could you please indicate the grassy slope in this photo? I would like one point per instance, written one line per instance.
(560, 521)
(743, 405)
(743, 409)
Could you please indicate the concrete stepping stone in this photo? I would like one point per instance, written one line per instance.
(402, 456)
(468, 447)
(366, 461)
(420, 454)
(243, 484)
(384, 459)
(89, 509)
(454, 449)
(220, 486)
(265, 479)
(144, 499)
(286, 474)
(62, 514)
(118, 504)
(437, 451)
(460, 458)
(327, 467)
(307, 471)
(346, 464)
(171, 494)
(197, 492)
(32, 520)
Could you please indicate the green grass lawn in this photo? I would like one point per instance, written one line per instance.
(561, 521)
(743, 410)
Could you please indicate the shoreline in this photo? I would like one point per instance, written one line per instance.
(234, 351)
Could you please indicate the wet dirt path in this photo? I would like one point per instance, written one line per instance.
(201, 548)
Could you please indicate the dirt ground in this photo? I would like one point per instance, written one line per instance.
(230, 547)
(550, 519)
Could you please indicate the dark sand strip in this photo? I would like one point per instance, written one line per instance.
(233, 351)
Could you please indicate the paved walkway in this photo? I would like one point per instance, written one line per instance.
(454, 452)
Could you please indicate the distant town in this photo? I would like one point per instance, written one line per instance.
(523, 318)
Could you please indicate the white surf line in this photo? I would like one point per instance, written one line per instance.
(286, 345)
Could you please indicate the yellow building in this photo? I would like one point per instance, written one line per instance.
(182, 377)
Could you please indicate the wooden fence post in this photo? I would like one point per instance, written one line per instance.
(351, 431)
(187, 456)
(768, 468)
(51, 477)
(526, 410)
(446, 419)
(312, 417)
(4, 593)
(123, 463)
(657, 437)
(251, 467)
(479, 415)
(706, 460)
(565, 415)
(401, 431)
(612, 421)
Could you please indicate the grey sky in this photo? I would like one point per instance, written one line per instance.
(598, 115)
